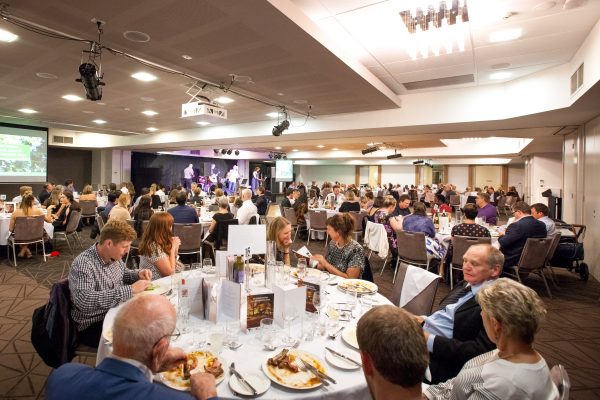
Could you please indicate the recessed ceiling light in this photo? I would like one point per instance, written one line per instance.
(277, 147)
(149, 113)
(320, 146)
(186, 57)
(146, 98)
(144, 76)
(280, 94)
(224, 100)
(295, 150)
(46, 75)
(136, 36)
(27, 111)
(500, 75)
(506, 35)
(99, 121)
(6, 36)
(87, 112)
(151, 129)
(335, 149)
(72, 97)
(203, 123)
(272, 114)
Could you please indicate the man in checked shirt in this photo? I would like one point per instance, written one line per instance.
(98, 280)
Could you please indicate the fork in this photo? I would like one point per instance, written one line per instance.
(298, 362)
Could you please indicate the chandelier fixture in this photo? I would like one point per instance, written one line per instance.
(435, 25)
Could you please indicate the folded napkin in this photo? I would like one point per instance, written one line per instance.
(415, 281)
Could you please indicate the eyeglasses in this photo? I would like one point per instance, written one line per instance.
(175, 335)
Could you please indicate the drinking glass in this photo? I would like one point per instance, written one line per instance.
(459, 217)
(279, 272)
(290, 313)
(318, 301)
(308, 326)
(301, 269)
(271, 251)
(207, 265)
(216, 339)
(232, 337)
(352, 298)
(200, 336)
(267, 331)
(197, 267)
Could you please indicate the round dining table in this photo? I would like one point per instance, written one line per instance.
(250, 357)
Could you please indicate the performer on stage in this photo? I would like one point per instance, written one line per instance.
(188, 176)
(233, 177)
(256, 180)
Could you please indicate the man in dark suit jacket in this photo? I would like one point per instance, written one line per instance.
(513, 240)
(127, 373)
(455, 333)
(261, 201)
(287, 200)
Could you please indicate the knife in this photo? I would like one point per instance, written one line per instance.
(318, 373)
(345, 357)
(242, 380)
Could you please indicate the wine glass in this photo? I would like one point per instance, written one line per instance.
(318, 301)
(301, 268)
(207, 265)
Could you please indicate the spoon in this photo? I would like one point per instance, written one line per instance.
(336, 334)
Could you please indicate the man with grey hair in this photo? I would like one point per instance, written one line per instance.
(393, 353)
(247, 210)
(141, 337)
(455, 333)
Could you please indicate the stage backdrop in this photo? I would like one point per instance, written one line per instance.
(148, 168)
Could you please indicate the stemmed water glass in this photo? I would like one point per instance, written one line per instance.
(301, 269)
(290, 313)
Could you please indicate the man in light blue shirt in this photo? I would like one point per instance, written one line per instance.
(455, 332)
(540, 211)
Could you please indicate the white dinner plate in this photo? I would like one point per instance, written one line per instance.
(156, 287)
(361, 286)
(341, 363)
(349, 336)
(257, 379)
(162, 377)
(302, 380)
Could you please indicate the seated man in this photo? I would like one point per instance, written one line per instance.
(540, 211)
(45, 193)
(455, 333)
(247, 210)
(393, 353)
(486, 210)
(181, 213)
(22, 191)
(512, 242)
(402, 206)
(261, 201)
(141, 337)
(99, 280)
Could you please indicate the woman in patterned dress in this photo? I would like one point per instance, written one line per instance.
(158, 247)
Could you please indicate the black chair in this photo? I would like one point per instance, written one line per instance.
(367, 273)
(221, 235)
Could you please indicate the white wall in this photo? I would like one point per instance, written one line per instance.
(487, 175)
(546, 172)
(516, 178)
(320, 173)
(458, 175)
(402, 174)
(591, 203)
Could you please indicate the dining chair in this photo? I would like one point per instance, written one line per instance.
(422, 303)
(533, 260)
(28, 230)
(318, 223)
(191, 238)
(460, 245)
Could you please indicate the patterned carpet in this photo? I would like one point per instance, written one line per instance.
(571, 335)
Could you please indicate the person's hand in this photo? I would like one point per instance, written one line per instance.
(320, 260)
(145, 274)
(419, 319)
(203, 386)
(175, 242)
(139, 286)
(172, 358)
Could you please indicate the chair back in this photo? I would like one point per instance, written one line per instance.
(411, 247)
(422, 303)
(357, 218)
(73, 223)
(88, 207)
(579, 231)
(29, 228)
(318, 220)
(376, 238)
(100, 221)
(273, 211)
(535, 253)
(560, 378)
(510, 200)
(553, 246)
(367, 274)
(254, 220)
(290, 215)
(190, 235)
(501, 202)
(222, 232)
(460, 245)
(413, 195)
(454, 200)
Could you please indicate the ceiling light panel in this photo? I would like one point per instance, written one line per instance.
(144, 76)
(8, 37)
(506, 35)
(149, 113)
(224, 100)
(72, 97)
(27, 111)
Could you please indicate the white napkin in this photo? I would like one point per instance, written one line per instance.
(415, 281)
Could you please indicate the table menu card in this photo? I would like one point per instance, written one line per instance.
(288, 297)
(311, 289)
(230, 301)
(259, 306)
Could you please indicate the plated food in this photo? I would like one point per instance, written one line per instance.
(359, 285)
(310, 272)
(283, 369)
(197, 361)
(156, 287)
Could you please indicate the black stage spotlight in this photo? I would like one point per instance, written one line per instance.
(278, 129)
(223, 151)
(369, 150)
(216, 151)
(270, 156)
(418, 162)
(91, 81)
(237, 152)
(395, 155)
(229, 152)
(284, 156)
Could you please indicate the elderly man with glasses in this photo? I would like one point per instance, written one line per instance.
(141, 347)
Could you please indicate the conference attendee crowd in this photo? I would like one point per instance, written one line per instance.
(478, 344)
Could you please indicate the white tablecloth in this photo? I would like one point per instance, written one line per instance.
(251, 355)
(4, 233)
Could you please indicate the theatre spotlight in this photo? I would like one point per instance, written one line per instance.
(395, 155)
(278, 129)
(270, 156)
(418, 162)
(229, 152)
(369, 150)
(223, 151)
(91, 81)
(216, 151)
(237, 152)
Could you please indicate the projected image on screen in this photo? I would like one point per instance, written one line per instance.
(23, 154)
(284, 170)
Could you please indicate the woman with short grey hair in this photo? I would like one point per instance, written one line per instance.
(512, 315)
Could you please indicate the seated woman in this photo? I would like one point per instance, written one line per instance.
(440, 205)
(468, 226)
(418, 221)
(158, 246)
(313, 199)
(87, 193)
(26, 209)
(512, 314)
(121, 210)
(377, 205)
(196, 198)
(143, 212)
(280, 231)
(345, 255)
(60, 219)
(366, 202)
(53, 202)
(390, 222)
(350, 204)
(221, 215)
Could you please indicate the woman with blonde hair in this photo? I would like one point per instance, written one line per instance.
(158, 247)
(54, 200)
(280, 231)
(26, 209)
(121, 210)
(350, 204)
(87, 193)
(512, 315)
